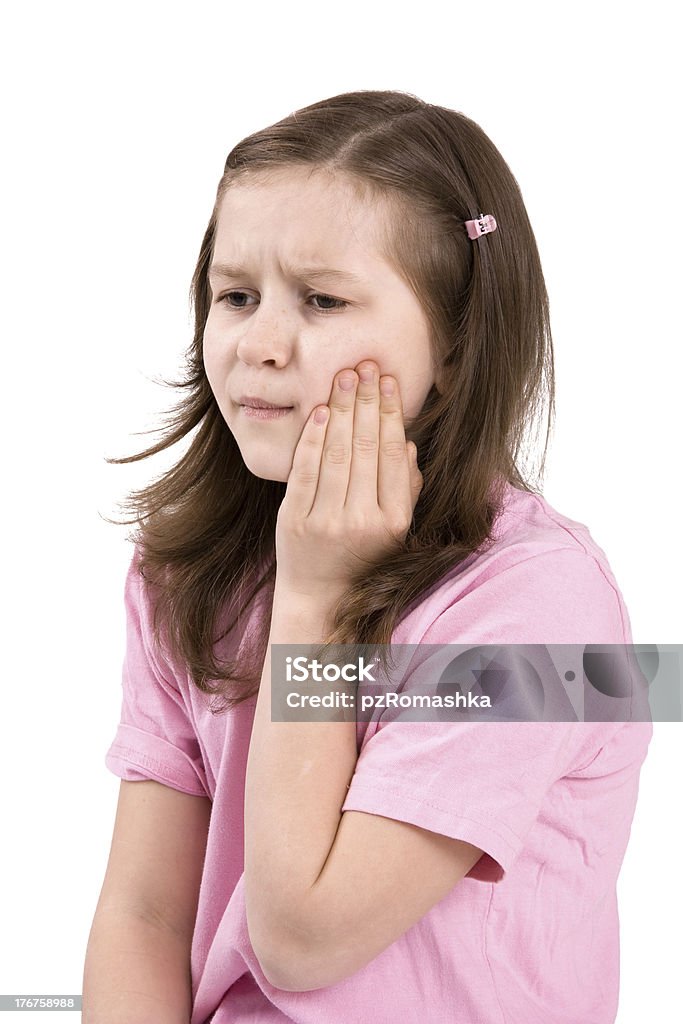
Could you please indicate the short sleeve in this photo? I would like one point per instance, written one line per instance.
(560, 596)
(485, 782)
(155, 738)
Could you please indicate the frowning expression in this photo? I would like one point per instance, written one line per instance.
(300, 290)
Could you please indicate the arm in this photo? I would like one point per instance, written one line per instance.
(325, 892)
(137, 963)
(135, 971)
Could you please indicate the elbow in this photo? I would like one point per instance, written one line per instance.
(290, 969)
(287, 975)
(292, 959)
(304, 967)
(296, 973)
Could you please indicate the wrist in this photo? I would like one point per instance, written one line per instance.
(296, 613)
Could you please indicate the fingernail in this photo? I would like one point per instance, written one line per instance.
(386, 386)
(346, 383)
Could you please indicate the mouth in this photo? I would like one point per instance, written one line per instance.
(271, 412)
(267, 408)
(246, 402)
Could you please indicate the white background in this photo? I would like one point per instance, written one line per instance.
(116, 121)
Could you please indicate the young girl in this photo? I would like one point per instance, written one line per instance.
(371, 345)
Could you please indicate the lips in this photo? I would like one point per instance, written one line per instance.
(260, 403)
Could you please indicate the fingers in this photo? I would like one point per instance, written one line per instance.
(359, 459)
(302, 482)
(363, 478)
(366, 463)
(392, 466)
(416, 478)
(339, 445)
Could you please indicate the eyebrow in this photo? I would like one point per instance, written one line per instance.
(305, 273)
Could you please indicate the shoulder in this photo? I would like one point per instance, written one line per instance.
(543, 579)
(146, 637)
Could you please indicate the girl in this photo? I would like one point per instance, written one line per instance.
(371, 345)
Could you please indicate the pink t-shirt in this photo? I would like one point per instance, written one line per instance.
(531, 934)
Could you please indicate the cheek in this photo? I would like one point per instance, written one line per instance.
(414, 391)
(214, 355)
(317, 378)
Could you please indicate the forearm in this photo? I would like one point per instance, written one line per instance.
(297, 778)
(134, 972)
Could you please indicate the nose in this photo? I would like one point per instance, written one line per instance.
(268, 337)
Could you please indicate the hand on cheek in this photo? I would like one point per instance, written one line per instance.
(352, 489)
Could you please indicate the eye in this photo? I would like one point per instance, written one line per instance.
(228, 295)
(336, 303)
(229, 299)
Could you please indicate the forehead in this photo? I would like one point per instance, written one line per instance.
(301, 207)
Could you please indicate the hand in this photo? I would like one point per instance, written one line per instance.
(351, 492)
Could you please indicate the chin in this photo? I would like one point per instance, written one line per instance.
(266, 466)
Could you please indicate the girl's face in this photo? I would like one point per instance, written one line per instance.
(299, 291)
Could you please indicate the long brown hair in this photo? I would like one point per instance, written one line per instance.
(206, 529)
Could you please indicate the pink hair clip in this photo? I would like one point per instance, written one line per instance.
(482, 225)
